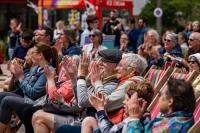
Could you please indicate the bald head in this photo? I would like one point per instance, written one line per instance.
(194, 42)
(196, 35)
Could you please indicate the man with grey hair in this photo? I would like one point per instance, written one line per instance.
(129, 70)
(194, 43)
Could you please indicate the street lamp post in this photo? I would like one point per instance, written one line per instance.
(159, 19)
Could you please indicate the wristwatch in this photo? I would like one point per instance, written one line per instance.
(81, 77)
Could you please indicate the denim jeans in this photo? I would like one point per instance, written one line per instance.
(9, 103)
(69, 129)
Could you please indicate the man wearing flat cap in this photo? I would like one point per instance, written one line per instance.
(129, 68)
(110, 55)
(102, 76)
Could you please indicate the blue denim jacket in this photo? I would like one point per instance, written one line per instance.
(33, 85)
(73, 49)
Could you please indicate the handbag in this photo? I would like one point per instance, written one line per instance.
(60, 108)
(116, 116)
(40, 101)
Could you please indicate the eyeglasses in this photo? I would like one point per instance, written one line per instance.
(191, 62)
(167, 40)
(92, 35)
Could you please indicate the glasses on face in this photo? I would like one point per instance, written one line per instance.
(167, 40)
(191, 62)
(92, 35)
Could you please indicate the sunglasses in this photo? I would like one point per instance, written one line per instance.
(92, 35)
(191, 62)
(167, 40)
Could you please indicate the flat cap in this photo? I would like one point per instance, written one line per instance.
(110, 55)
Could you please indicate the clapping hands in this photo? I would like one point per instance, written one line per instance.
(83, 65)
(96, 73)
(16, 68)
(98, 101)
(49, 73)
(70, 67)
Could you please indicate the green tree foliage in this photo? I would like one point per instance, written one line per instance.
(175, 12)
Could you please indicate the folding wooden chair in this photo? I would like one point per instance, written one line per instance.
(158, 77)
(196, 127)
(154, 106)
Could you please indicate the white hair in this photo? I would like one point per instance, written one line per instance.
(136, 61)
(173, 36)
(155, 33)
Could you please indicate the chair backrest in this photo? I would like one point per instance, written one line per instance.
(158, 77)
(196, 127)
(197, 111)
(154, 106)
(188, 76)
(180, 76)
(155, 75)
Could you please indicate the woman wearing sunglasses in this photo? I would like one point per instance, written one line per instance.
(96, 40)
(171, 45)
(194, 64)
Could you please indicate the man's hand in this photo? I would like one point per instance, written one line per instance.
(83, 65)
(98, 101)
(96, 73)
(19, 27)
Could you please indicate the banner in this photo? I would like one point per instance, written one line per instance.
(62, 3)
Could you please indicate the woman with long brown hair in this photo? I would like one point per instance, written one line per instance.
(32, 85)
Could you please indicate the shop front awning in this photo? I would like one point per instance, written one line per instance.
(75, 4)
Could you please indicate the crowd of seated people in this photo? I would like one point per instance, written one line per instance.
(62, 86)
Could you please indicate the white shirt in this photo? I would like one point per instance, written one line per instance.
(88, 50)
(85, 34)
